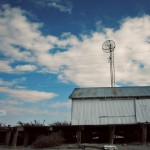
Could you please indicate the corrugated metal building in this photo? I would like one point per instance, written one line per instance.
(110, 105)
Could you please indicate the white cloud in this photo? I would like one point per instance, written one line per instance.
(31, 96)
(25, 68)
(6, 103)
(61, 104)
(27, 95)
(22, 110)
(5, 83)
(5, 66)
(13, 22)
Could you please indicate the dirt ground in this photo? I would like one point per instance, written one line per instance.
(83, 146)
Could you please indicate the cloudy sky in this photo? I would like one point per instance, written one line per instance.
(50, 47)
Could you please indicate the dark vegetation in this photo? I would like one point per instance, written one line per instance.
(54, 139)
(65, 123)
(34, 123)
(37, 123)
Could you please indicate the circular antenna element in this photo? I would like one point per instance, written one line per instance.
(108, 46)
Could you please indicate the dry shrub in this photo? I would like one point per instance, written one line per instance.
(54, 139)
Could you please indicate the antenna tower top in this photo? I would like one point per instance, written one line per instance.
(108, 46)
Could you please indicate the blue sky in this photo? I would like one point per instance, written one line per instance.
(50, 47)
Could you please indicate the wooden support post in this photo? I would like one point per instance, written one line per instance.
(7, 140)
(144, 134)
(111, 134)
(15, 137)
(26, 139)
(79, 132)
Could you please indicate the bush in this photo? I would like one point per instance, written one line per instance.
(54, 139)
(65, 123)
(35, 123)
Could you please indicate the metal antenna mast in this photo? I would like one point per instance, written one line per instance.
(108, 47)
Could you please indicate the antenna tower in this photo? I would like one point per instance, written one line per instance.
(108, 47)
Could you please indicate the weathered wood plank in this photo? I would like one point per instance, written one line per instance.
(15, 137)
(144, 134)
(7, 140)
(111, 134)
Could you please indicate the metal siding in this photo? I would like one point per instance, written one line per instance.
(101, 112)
(110, 92)
(143, 110)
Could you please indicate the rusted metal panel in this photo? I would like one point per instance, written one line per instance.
(110, 92)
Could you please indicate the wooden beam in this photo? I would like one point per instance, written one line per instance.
(79, 134)
(111, 134)
(26, 139)
(15, 137)
(20, 128)
(144, 134)
(7, 140)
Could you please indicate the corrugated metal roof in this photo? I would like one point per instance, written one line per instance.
(98, 92)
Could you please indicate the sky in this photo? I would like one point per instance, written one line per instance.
(50, 47)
